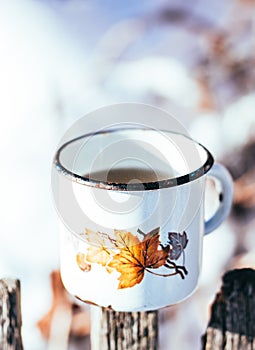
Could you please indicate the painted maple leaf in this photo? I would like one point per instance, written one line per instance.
(99, 255)
(135, 256)
(82, 263)
(178, 243)
(99, 239)
(99, 252)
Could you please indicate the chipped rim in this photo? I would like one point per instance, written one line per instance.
(141, 186)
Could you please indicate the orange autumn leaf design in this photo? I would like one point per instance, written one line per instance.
(81, 261)
(98, 254)
(131, 255)
(98, 239)
(94, 255)
(136, 257)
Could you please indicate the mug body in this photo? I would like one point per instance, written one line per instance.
(131, 245)
(144, 259)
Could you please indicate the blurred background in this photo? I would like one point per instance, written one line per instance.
(60, 59)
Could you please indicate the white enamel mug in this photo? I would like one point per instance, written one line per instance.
(135, 245)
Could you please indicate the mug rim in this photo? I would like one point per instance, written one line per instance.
(141, 186)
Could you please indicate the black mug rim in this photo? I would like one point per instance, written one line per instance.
(141, 186)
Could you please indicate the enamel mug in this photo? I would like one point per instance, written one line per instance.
(132, 202)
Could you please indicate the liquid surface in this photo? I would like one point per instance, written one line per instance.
(127, 175)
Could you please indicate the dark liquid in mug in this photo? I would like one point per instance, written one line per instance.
(126, 175)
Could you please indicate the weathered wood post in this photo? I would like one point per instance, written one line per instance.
(112, 330)
(232, 323)
(10, 315)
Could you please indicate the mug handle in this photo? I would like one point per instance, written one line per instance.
(220, 173)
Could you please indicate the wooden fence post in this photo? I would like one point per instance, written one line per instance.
(232, 323)
(10, 315)
(112, 330)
